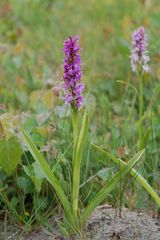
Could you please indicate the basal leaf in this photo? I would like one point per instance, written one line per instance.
(45, 168)
(35, 174)
(109, 186)
(138, 177)
(10, 154)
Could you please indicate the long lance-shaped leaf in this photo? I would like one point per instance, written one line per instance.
(109, 186)
(44, 166)
(77, 162)
(139, 178)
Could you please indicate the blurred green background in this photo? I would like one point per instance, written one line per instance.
(32, 34)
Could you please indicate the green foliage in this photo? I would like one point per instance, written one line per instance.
(10, 154)
(72, 224)
(25, 185)
(109, 186)
(36, 175)
(135, 174)
(48, 173)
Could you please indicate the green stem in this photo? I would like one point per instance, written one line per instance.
(74, 160)
(75, 131)
(140, 125)
(75, 190)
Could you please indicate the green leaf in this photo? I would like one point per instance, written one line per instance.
(37, 139)
(146, 137)
(48, 173)
(35, 174)
(30, 123)
(25, 184)
(109, 186)
(78, 151)
(138, 177)
(10, 154)
(14, 202)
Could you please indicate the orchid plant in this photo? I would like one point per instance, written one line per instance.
(139, 64)
(74, 216)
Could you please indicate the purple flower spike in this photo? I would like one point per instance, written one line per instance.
(73, 87)
(139, 53)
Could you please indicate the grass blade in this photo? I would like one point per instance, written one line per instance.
(139, 178)
(44, 166)
(109, 186)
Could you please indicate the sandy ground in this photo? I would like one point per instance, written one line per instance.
(104, 224)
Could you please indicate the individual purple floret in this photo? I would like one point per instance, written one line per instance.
(73, 87)
(139, 53)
